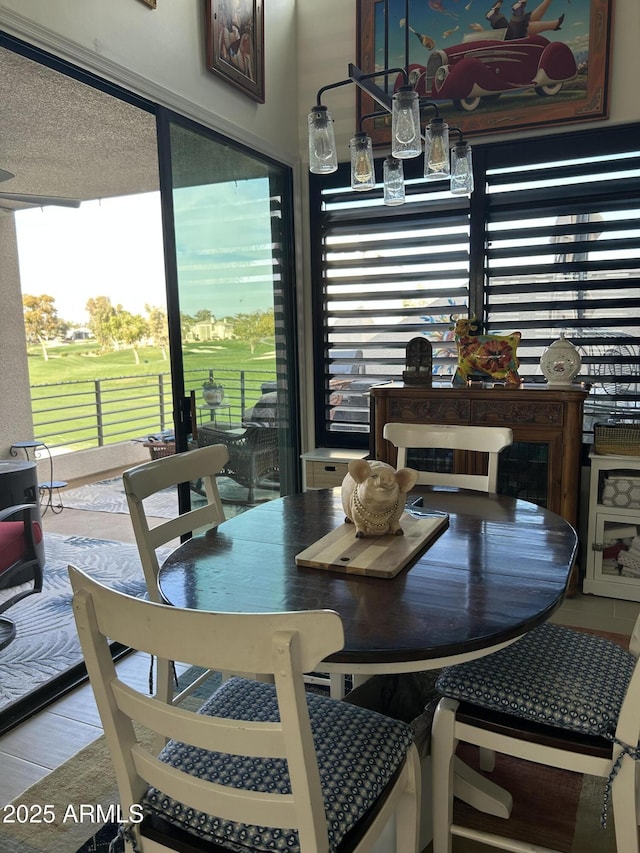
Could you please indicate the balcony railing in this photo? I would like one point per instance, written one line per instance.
(83, 414)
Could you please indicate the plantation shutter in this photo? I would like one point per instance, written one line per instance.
(563, 257)
(381, 276)
(548, 245)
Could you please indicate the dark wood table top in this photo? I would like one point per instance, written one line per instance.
(498, 570)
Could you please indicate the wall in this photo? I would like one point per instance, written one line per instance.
(159, 53)
(15, 400)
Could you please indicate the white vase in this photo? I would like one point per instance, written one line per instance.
(213, 394)
(560, 362)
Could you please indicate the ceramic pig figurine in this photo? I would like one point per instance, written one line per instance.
(373, 496)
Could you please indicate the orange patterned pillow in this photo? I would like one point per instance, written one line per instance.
(493, 356)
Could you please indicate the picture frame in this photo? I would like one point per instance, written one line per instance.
(458, 46)
(235, 44)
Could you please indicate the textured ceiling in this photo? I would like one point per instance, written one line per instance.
(61, 137)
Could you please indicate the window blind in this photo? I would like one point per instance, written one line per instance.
(382, 276)
(549, 244)
(562, 256)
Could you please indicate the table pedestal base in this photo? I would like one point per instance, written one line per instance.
(475, 789)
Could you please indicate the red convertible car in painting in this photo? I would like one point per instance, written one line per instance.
(481, 69)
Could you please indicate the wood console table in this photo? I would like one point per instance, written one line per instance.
(543, 464)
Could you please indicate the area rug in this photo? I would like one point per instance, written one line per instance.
(552, 808)
(45, 657)
(83, 795)
(109, 496)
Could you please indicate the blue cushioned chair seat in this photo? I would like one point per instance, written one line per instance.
(553, 676)
(358, 753)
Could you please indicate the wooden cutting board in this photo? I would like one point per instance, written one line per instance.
(378, 556)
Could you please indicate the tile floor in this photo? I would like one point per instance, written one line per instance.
(32, 750)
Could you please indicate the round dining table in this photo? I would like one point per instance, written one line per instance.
(499, 568)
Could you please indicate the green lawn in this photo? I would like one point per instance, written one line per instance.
(82, 360)
(82, 397)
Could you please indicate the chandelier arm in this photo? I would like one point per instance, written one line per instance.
(364, 82)
(457, 130)
(433, 104)
(330, 86)
(378, 114)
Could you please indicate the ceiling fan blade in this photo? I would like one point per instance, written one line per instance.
(40, 200)
(5, 176)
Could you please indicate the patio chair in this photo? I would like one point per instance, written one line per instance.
(22, 561)
(487, 440)
(261, 766)
(201, 465)
(253, 453)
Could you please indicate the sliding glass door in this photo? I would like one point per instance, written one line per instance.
(231, 312)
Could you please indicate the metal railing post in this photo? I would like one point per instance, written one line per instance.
(99, 413)
(161, 396)
(243, 391)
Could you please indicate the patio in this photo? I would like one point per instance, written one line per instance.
(93, 531)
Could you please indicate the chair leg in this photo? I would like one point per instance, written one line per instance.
(7, 632)
(487, 759)
(623, 801)
(443, 747)
(408, 811)
(336, 685)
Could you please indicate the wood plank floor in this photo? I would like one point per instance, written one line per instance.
(32, 750)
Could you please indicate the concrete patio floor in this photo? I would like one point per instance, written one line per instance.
(115, 526)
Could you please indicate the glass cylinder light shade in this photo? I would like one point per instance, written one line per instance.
(461, 169)
(323, 157)
(436, 149)
(362, 169)
(405, 124)
(393, 172)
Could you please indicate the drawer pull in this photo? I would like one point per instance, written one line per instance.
(329, 467)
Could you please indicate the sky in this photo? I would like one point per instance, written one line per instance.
(113, 247)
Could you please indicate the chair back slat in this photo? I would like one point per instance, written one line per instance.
(251, 807)
(201, 464)
(485, 440)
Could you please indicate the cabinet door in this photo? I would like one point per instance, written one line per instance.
(619, 575)
(524, 472)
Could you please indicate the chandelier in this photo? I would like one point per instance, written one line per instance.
(405, 106)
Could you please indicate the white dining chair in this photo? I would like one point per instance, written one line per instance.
(143, 481)
(557, 697)
(487, 440)
(260, 766)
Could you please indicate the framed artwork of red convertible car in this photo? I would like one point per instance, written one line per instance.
(491, 66)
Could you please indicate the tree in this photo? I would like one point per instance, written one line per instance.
(129, 329)
(255, 327)
(186, 325)
(158, 328)
(100, 312)
(41, 320)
